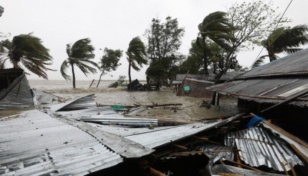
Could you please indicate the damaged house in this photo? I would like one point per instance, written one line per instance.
(283, 83)
(15, 91)
(194, 85)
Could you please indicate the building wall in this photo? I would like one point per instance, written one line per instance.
(197, 88)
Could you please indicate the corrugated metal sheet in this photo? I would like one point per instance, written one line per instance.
(263, 89)
(297, 144)
(220, 169)
(259, 147)
(293, 64)
(84, 102)
(120, 120)
(272, 82)
(42, 97)
(126, 131)
(158, 138)
(18, 94)
(37, 144)
(217, 151)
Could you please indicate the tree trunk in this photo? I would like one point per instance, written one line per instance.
(100, 77)
(73, 73)
(129, 76)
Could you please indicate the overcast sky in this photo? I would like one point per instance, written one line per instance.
(113, 23)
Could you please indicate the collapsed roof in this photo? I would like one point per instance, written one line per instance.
(273, 82)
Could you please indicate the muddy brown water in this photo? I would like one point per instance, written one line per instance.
(189, 111)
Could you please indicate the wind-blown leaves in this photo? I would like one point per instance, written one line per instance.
(136, 55)
(80, 55)
(285, 39)
(28, 50)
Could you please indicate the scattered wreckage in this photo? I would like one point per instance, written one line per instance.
(80, 138)
(15, 91)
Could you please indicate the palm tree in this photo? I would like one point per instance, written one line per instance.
(28, 50)
(136, 56)
(80, 55)
(284, 39)
(217, 28)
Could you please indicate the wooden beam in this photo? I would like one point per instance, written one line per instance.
(292, 98)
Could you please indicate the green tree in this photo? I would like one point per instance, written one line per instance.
(164, 40)
(27, 50)
(253, 21)
(109, 62)
(80, 55)
(136, 56)
(217, 28)
(284, 39)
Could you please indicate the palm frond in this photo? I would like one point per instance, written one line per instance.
(136, 53)
(82, 49)
(86, 69)
(63, 69)
(259, 61)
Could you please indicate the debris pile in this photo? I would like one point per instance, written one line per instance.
(80, 138)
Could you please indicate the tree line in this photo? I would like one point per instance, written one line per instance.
(221, 36)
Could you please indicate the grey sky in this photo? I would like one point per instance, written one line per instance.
(113, 23)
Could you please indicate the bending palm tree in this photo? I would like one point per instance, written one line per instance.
(283, 40)
(216, 27)
(29, 51)
(136, 56)
(79, 54)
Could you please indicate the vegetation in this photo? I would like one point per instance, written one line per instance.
(120, 82)
(283, 39)
(164, 40)
(80, 55)
(215, 27)
(27, 50)
(136, 56)
(241, 27)
(109, 62)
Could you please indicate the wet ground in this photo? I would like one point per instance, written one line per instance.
(189, 111)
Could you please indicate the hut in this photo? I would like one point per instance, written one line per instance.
(14, 89)
(277, 90)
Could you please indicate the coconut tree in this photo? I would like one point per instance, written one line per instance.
(217, 28)
(136, 56)
(26, 50)
(79, 55)
(283, 39)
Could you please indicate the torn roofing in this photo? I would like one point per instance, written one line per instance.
(76, 104)
(220, 169)
(269, 90)
(277, 80)
(37, 144)
(297, 144)
(14, 89)
(260, 147)
(166, 136)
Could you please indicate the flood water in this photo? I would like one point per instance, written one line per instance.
(189, 111)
